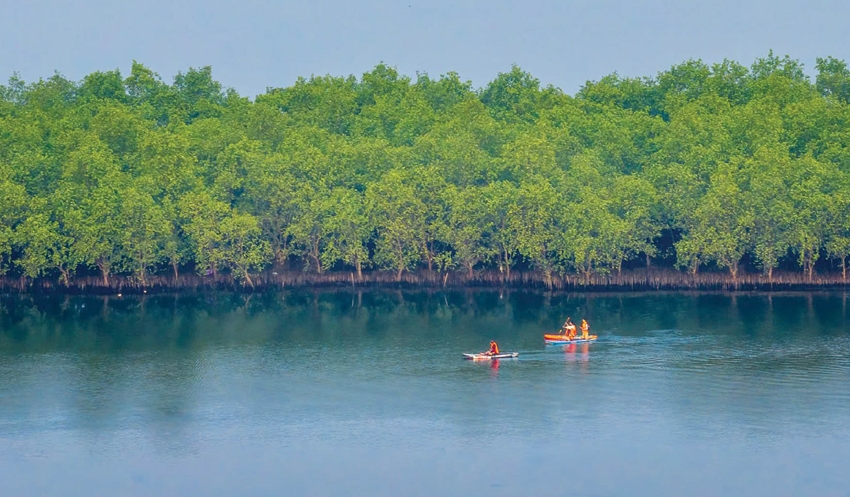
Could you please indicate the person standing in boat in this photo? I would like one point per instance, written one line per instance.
(494, 348)
(585, 329)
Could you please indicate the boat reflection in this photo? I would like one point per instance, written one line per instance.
(580, 352)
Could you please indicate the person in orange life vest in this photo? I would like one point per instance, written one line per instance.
(494, 349)
(585, 329)
(569, 329)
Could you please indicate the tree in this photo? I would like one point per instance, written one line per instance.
(399, 116)
(501, 200)
(721, 226)
(42, 247)
(399, 218)
(324, 101)
(242, 248)
(271, 191)
(146, 91)
(431, 191)
(445, 93)
(838, 247)
(348, 230)
(636, 203)
(119, 129)
(593, 235)
(514, 96)
(531, 154)
(810, 194)
(689, 80)
(96, 230)
(13, 211)
(462, 145)
(471, 227)
(204, 217)
(197, 94)
(535, 220)
(144, 232)
(176, 248)
(309, 229)
(771, 207)
(165, 158)
(833, 79)
(838, 228)
(103, 86)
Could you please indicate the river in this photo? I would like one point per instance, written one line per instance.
(343, 393)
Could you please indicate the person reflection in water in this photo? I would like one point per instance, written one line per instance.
(577, 352)
(584, 355)
(570, 352)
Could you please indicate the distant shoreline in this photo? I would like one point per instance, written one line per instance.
(627, 281)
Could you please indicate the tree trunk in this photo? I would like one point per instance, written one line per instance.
(648, 261)
(586, 272)
(428, 257)
(357, 264)
(770, 275)
(503, 254)
(315, 256)
(469, 266)
(284, 258)
(400, 260)
(66, 276)
(104, 271)
(174, 266)
(248, 278)
(843, 269)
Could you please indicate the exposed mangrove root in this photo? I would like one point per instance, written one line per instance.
(638, 279)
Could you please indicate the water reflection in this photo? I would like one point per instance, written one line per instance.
(577, 353)
(294, 374)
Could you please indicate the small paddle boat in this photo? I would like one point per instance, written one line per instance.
(563, 339)
(487, 357)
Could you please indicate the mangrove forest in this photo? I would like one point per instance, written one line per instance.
(719, 169)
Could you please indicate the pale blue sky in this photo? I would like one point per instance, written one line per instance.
(252, 44)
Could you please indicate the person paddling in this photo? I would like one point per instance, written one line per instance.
(585, 329)
(494, 348)
(569, 329)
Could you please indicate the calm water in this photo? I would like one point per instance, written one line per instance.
(345, 394)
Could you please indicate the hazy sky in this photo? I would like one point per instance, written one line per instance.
(254, 44)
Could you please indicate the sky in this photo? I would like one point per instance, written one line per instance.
(256, 44)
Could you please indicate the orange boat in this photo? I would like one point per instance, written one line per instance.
(559, 339)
